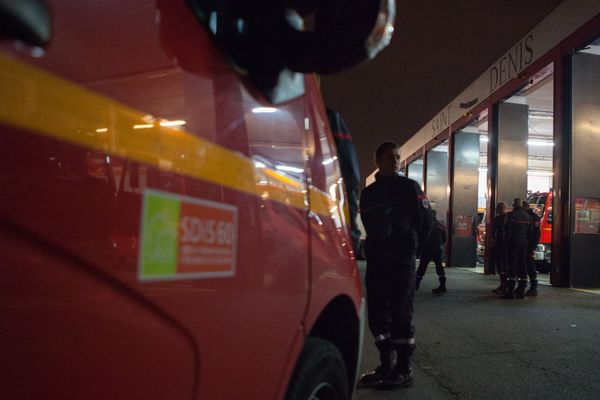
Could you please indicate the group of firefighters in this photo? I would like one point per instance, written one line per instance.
(514, 240)
(516, 235)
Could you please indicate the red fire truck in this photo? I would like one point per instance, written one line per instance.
(541, 202)
(171, 212)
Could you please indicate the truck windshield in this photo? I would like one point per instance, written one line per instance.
(538, 203)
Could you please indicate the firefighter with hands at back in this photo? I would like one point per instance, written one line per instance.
(397, 219)
(499, 246)
(518, 234)
(535, 238)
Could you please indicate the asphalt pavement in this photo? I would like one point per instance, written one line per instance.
(473, 345)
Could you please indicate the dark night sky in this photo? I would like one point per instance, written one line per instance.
(438, 49)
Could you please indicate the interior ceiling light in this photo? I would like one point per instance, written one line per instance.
(539, 173)
(540, 143)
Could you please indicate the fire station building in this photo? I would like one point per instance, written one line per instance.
(529, 128)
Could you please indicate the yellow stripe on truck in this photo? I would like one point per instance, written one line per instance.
(38, 101)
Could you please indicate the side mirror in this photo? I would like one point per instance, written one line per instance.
(343, 34)
(271, 41)
(25, 20)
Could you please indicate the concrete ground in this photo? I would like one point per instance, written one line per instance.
(473, 345)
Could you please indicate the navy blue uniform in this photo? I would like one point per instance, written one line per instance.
(433, 250)
(499, 251)
(518, 233)
(397, 217)
(533, 242)
(499, 245)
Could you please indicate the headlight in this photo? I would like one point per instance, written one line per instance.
(540, 247)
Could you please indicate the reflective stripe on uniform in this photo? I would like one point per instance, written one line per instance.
(404, 341)
(382, 337)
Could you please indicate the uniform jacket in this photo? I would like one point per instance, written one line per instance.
(498, 235)
(535, 226)
(398, 219)
(518, 230)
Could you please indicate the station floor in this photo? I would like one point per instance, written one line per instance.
(473, 345)
(543, 279)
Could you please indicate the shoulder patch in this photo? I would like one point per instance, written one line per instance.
(424, 200)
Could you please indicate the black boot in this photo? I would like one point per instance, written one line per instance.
(520, 292)
(373, 378)
(387, 357)
(532, 288)
(442, 288)
(418, 282)
(510, 289)
(502, 288)
(395, 381)
(401, 375)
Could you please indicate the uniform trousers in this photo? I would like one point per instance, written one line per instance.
(426, 258)
(517, 261)
(531, 270)
(390, 304)
(500, 260)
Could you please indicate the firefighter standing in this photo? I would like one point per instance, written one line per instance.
(518, 234)
(433, 252)
(397, 218)
(535, 238)
(499, 246)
